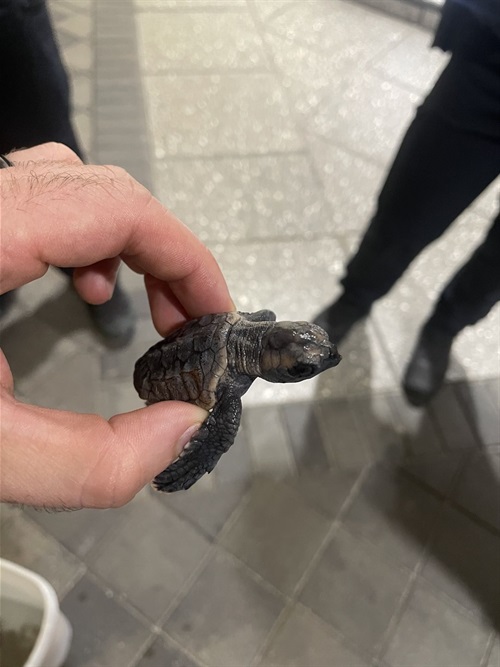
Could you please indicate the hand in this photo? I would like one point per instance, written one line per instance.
(57, 211)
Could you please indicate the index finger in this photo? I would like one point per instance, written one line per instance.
(73, 215)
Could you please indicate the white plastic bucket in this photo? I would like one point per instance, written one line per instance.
(32, 600)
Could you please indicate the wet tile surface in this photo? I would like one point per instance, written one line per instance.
(277, 534)
(168, 44)
(464, 562)
(305, 639)
(161, 550)
(106, 633)
(433, 632)
(354, 589)
(219, 114)
(343, 527)
(217, 620)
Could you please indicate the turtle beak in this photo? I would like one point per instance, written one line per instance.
(334, 357)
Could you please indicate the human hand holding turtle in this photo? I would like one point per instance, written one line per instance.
(57, 211)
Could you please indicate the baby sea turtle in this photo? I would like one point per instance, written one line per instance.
(211, 362)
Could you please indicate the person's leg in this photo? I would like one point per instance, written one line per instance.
(35, 87)
(35, 109)
(466, 299)
(449, 155)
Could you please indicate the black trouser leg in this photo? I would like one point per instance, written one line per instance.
(449, 155)
(34, 85)
(474, 290)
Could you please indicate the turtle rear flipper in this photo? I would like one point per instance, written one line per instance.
(216, 435)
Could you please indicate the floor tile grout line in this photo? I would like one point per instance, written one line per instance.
(280, 79)
(194, 9)
(160, 633)
(489, 649)
(293, 598)
(416, 576)
(120, 598)
(174, 73)
(365, 66)
(384, 642)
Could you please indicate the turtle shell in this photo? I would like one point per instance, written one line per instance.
(189, 364)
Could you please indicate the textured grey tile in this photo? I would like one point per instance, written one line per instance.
(365, 366)
(163, 653)
(266, 9)
(436, 471)
(478, 488)
(412, 61)
(277, 534)
(78, 531)
(82, 91)
(451, 420)
(72, 386)
(217, 114)
(191, 4)
(351, 184)
(199, 41)
(288, 277)
(378, 427)
(464, 561)
(475, 347)
(304, 437)
(206, 508)
(104, 633)
(149, 555)
(482, 407)
(305, 639)
(77, 25)
(487, 202)
(119, 364)
(357, 111)
(24, 543)
(342, 32)
(394, 514)
(326, 490)
(433, 632)
(78, 57)
(494, 660)
(31, 348)
(341, 436)
(225, 614)
(232, 199)
(236, 466)
(355, 590)
(268, 441)
(416, 429)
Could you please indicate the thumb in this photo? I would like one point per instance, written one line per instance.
(53, 458)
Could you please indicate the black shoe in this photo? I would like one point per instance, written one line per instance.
(115, 319)
(428, 364)
(339, 318)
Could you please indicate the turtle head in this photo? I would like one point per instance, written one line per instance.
(295, 351)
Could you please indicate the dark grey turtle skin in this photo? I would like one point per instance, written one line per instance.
(211, 362)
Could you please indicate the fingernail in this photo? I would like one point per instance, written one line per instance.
(186, 437)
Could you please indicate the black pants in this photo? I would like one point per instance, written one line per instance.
(449, 155)
(34, 88)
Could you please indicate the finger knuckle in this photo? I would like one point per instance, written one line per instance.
(62, 151)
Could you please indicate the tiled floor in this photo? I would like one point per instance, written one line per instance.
(344, 528)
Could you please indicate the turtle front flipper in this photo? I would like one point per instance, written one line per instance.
(216, 435)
